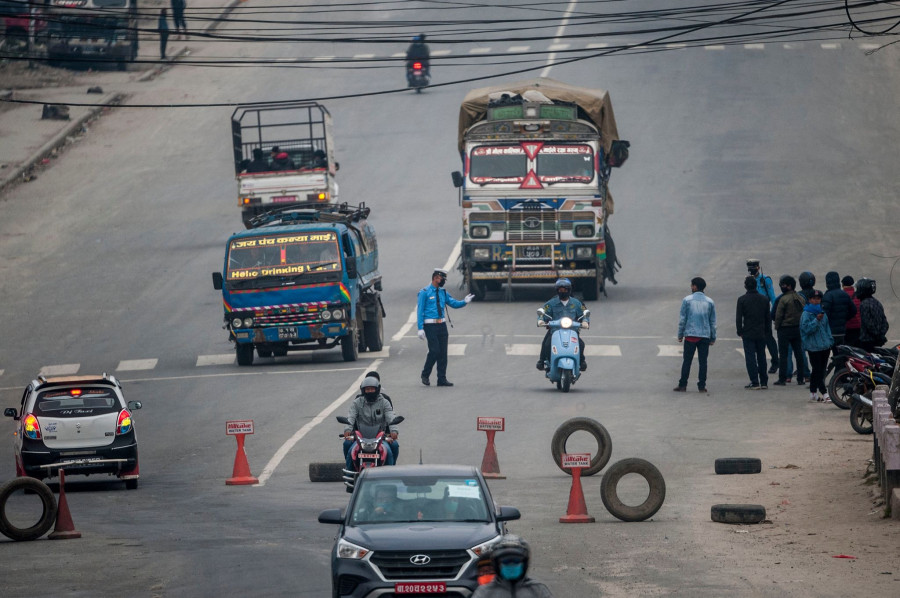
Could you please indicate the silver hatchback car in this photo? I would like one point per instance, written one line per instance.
(81, 424)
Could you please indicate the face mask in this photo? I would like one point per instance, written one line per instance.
(370, 396)
(512, 572)
(753, 271)
(441, 283)
(563, 295)
(451, 506)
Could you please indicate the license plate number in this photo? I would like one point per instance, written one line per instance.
(368, 455)
(533, 251)
(284, 198)
(420, 588)
(286, 333)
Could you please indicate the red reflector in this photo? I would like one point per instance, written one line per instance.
(417, 66)
(596, 203)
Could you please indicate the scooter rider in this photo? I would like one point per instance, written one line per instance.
(561, 306)
(418, 52)
(370, 408)
(510, 558)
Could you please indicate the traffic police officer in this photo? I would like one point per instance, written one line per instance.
(432, 324)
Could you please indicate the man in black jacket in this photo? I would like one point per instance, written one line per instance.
(753, 319)
(838, 307)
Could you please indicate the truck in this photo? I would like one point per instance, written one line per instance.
(537, 157)
(303, 279)
(93, 30)
(283, 157)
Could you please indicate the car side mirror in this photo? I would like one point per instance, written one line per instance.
(508, 514)
(457, 178)
(331, 516)
(397, 420)
(342, 419)
(351, 266)
(217, 281)
(11, 412)
(134, 405)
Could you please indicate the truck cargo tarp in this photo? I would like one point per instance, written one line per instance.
(594, 102)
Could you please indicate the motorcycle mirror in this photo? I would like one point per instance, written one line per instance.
(342, 420)
(540, 311)
(397, 420)
(586, 314)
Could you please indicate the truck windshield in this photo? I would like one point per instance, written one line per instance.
(552, 163)
(558, 163)
(498, 164)
(282, 255)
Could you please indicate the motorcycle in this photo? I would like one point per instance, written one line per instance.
(848, 364)
(861, 418)
(564, 367)
(417, 76)
(368, 448)
(856, 377)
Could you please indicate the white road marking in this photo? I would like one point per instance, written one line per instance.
(398, 55)
(754, 46)
(456, 350)
(480, 51)
(221, 359)
(412, 320)
(869, 46)
(559, 47)
(831, 46)
(523, 350)
(327, 57)
(714, 47)
(441, 52)
(518, 48)
(676, 46)
(383, 354)
(282, 452)
(285, 60)
(362, 56)
(1, 372)
(551, 59)
(245, 372)
(129, 365)
(66, 369)
(670, 351)
(603, 351)
(792, 46)
(597, 46)
(740, 350)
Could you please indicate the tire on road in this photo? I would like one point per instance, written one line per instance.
(738, 513)
(48, 502)
(861, 419)
(595, 429)
(731, 465)
(326, 472)
(610, 496)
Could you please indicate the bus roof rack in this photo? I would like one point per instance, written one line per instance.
(312, 212)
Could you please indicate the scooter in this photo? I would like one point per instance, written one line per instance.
(564, 367)
(368, 449)
(416, 76)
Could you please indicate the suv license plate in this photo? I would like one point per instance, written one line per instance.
(285, 333)
(433, 587)
(533, 251)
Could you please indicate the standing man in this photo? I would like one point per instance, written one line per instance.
(178, 7)
(753, 319)
(697, 328)
(765, 288)
(432, 322)
(873, 323)
(788, 311)
(162, 26)
(838, 307)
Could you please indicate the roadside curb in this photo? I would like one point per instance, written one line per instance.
(59, 139)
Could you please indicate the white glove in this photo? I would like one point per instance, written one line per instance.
(422, 335)
(469, 298)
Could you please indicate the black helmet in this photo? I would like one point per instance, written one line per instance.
(370, 382)
(865, 287)
(510, 547)
(807, 280)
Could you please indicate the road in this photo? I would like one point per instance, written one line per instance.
(785, 154)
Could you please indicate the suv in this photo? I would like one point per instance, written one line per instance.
(78, 423)
(414, 529)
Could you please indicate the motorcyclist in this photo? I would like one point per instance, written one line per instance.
(510, 558)
(417, 52)
(371, 408)
(563, 305)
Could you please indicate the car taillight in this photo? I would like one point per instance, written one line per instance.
(31, 427)
(124, 424)
(417, 66)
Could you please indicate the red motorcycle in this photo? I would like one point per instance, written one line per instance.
(368, 448)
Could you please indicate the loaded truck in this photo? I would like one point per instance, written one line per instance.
(537, 157)
(303, 279)
(93, 30)
(283, 157)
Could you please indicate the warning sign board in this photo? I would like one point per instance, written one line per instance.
(573, 460)
(241, 426)
(531, 181)
(491, 423)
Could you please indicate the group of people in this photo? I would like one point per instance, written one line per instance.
(807, 322)
(162, 26)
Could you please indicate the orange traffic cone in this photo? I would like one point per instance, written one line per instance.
(65, 528)
(490, 465)
(577, 511)
(241, 475)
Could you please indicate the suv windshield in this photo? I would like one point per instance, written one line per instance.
(285, 255)
(76, 402)
(410, 499)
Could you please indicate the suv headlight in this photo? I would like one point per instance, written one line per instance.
(481, 253)
(347, 550)
(584, 253)
(481, 548)
(479, 231)
(584, 230)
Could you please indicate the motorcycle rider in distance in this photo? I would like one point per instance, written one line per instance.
(562, 306)
(417, 52)
(510, 558)
(371, 408)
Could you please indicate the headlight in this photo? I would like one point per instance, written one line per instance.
(479, 232)
(481, 548)
(236, 323)
(346, 550)
(326, 315)
(481, 253)
(584, 253)
(584, 230)
(248, 322)
(566, 322)
(337, 314)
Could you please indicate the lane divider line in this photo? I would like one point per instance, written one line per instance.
(557, 38)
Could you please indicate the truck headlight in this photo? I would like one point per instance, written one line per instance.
(337, 314)
(584, 230)
(479, 232)
(326, 315)
(236, 323)
(248, 322)
(481, 253)
(346, 550)
(584, 253)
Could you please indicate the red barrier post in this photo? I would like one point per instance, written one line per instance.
(577, 509)
(490, 465)
(240, 475)
(65, 528)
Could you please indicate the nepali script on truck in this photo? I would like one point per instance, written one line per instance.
(302, 280)
(537, 157)
(283, 157)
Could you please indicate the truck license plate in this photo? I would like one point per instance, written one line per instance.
(430, 587)
(533, 251)
(284, 199)
(287, 333)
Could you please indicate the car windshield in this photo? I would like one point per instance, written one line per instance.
(291, 255)
(76, 402)
(410, 499)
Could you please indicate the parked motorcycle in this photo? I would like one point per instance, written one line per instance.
(564, 367)
(368, 448)
(861, 417)
(851, 364)
(417, 76)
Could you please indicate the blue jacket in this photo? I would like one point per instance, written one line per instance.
(698, 317)
(427, 308)
(555, 309)
(815, 335)
(764, 286)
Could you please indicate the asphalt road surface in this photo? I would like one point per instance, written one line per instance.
(785, 153)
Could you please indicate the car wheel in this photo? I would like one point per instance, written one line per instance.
(48, 516)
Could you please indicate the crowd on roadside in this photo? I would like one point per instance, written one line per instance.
(808, 325)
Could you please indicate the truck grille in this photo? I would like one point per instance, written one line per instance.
(532, 225)
(395, 565)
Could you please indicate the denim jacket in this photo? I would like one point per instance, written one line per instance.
(815, 335)
(698, 317)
